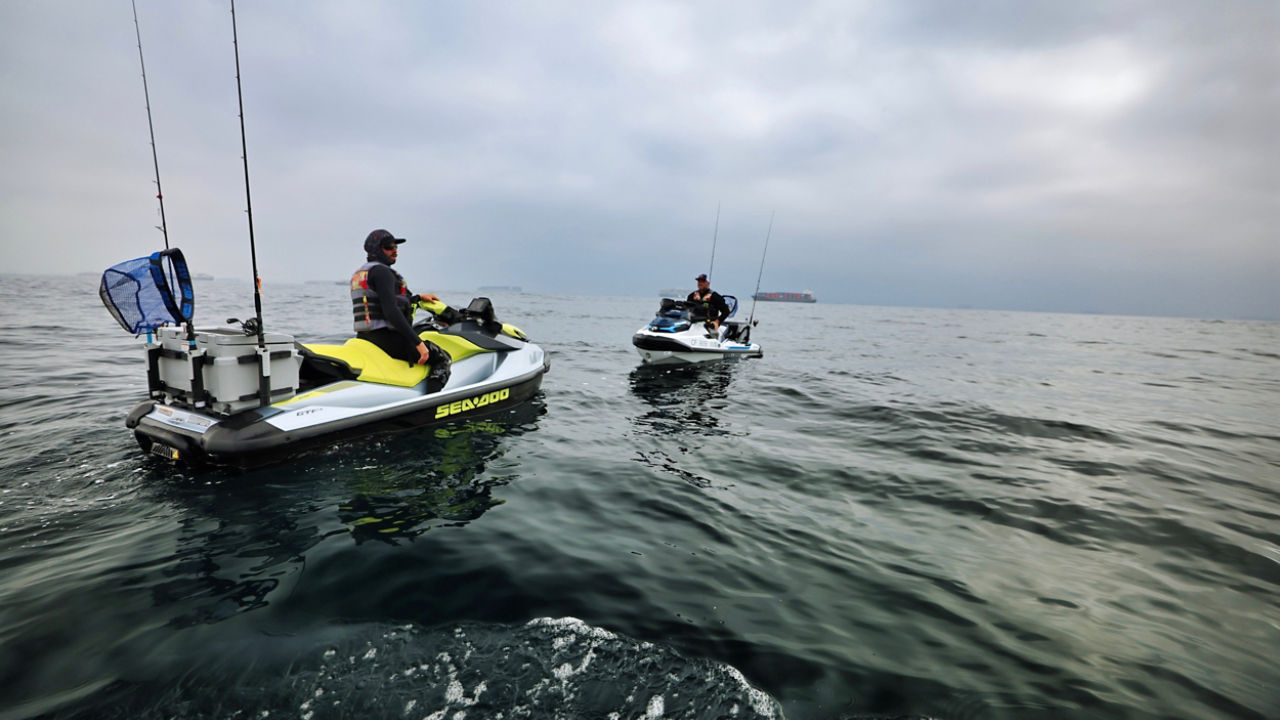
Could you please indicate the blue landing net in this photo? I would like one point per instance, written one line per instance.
(138, 293)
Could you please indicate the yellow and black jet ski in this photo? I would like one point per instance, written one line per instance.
(240, 397)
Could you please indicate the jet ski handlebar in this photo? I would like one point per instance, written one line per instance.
(435, 308)
(480, 310)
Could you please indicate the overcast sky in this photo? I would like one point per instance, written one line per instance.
(1091, 155)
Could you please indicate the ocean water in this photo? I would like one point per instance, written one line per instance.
(894, 513)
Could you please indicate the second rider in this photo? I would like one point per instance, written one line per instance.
(382, 304)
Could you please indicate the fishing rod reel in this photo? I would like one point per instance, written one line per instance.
(249, 327)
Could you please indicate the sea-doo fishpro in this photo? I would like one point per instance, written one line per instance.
(238, 396)
(679, 333)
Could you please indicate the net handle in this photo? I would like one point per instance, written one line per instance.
(181, 310)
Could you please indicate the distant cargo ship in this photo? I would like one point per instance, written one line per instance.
(673, 292)
(499, 288)
(800, 297)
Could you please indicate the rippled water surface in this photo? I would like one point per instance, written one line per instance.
(895, 512)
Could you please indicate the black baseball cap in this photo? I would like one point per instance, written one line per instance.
(701, 278)
(380, 239)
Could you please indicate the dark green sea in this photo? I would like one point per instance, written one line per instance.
(896, 512)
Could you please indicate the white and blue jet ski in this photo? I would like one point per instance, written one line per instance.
(679, 333)
(241, 397)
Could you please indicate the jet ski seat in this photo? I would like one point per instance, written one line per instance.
(361, 360)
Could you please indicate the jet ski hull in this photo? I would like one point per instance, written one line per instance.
(340, 410)
(692, 346)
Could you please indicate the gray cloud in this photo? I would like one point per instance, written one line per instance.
(1079, 157)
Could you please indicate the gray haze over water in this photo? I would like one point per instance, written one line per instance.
(1080, 157)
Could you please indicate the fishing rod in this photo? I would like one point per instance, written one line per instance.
(164, 228)
(170, 270)
(244, 150)
(714, 234)
(756, 294)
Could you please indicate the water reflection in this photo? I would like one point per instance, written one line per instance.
(394, 503)
(683, 399)
(686, 407)
(245, 535)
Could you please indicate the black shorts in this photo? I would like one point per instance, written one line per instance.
(392, 343)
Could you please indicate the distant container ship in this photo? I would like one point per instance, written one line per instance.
(673, 292)
(800, 297)
(499, 288)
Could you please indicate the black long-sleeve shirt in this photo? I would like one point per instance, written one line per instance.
(395, 307)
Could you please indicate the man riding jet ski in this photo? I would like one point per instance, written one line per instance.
(382, 303)
(243, 397)
(696, 329)
(712, 303)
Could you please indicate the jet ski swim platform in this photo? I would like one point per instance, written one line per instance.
(679, 334)
(220, 397)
